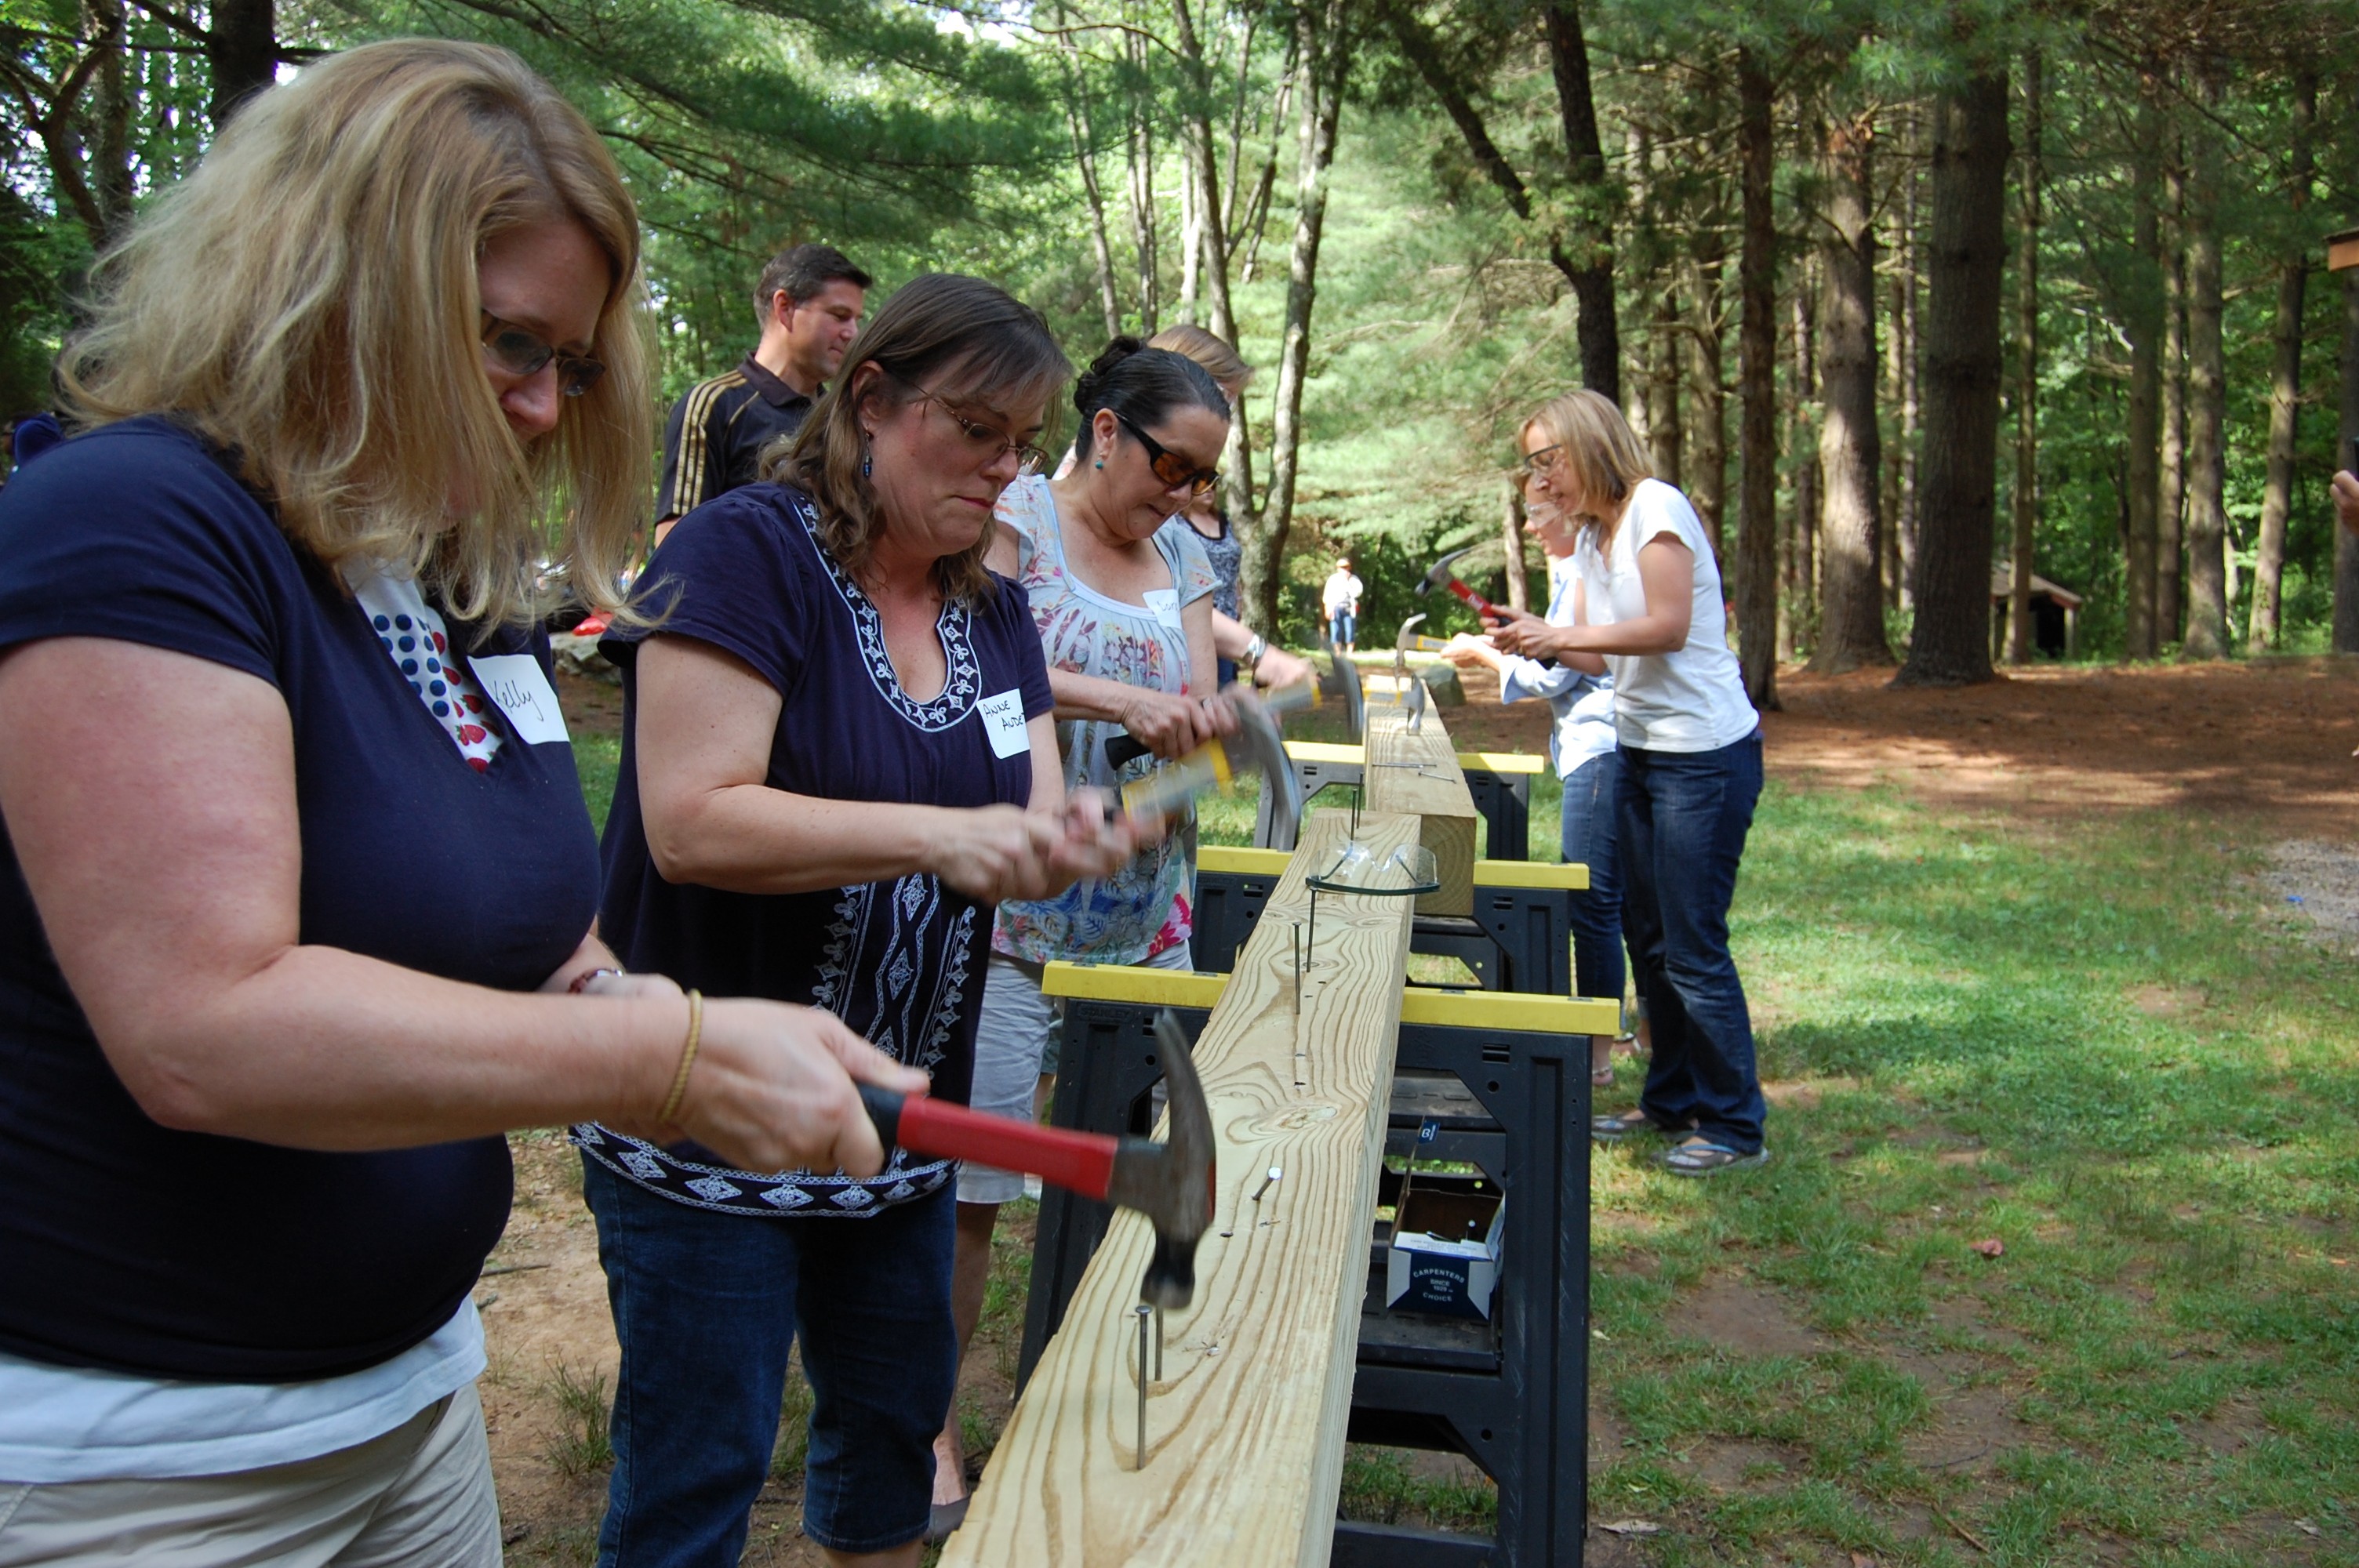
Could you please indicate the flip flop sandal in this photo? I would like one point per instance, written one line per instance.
(1621, 1125)
(1699, 1156)
(1602, 1077)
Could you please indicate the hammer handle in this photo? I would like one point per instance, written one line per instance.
(1122, 748)
(1078, 1162)
(1481, 606)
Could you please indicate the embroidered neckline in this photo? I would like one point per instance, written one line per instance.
(961, 687)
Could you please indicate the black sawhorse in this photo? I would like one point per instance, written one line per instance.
(1498, 1082)
(1518, 940)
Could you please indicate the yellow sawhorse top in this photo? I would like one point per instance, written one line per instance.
(1239, 861)
(1472, 762)
(1449, 1008)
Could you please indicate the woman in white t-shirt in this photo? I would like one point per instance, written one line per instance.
(1648, 608)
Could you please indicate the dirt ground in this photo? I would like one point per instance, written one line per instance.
(2266, 745)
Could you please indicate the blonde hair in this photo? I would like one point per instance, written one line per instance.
(308, 300)
(1600, 447)
(1228, 366)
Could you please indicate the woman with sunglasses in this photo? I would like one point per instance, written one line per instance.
(837, 757)
(1124, 608)
(295, 877)
(1647, 605)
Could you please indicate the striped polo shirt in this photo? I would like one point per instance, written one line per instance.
(717, 432)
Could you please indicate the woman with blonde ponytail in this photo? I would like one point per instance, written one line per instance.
(295, 912)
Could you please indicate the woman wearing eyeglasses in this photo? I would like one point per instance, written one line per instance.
(296, 876)
(1647, 605)
(1124, 608)
(837, 757)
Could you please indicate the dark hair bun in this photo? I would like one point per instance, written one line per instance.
(1092, 379)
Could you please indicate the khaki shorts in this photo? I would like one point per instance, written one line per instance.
(420, 1495)
(1013, 1032)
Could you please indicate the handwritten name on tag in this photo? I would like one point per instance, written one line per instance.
(1165, 603)
(1002, 722)
(521, 689)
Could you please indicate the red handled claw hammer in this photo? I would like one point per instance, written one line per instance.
(1441, 576)
(1171, 1183)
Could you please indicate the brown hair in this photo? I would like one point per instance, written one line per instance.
(958, 337)
(1228, 366)
(307, 299)
(1599, 446)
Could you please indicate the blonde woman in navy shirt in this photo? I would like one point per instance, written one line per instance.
(297, 875)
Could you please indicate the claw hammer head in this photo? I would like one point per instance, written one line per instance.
(1257, 728)
(1172, 1182)
(1442, 574)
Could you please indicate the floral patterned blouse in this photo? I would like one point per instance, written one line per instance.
(1142, 909)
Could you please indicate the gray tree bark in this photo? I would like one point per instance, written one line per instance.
(1757, 387)
(2284, 384)
(2207, 398)
(2027, 373)
(2170, 484)
(1851, 444)
(1963, 365)
(2142, 322)
(1326, 56)
(1588, 266)
(2346, 543)
(243, 52)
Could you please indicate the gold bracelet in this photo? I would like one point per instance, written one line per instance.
(687, 1057)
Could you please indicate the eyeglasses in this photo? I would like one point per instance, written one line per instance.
(987, 442)
(1169, 466)
(1546, 460)
(522, 353)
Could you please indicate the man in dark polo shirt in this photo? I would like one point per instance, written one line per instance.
(809, 302)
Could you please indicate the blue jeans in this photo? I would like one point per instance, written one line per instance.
(1684, 817)
(706, 1307)
(1590, 828)
(1342, 628)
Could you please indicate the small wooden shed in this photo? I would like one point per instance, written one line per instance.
(2055, 615)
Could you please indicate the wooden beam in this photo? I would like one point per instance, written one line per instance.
(1418, 775)
(1245, 1428)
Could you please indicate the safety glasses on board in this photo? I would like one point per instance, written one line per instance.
(1169, 466)
(522, 353)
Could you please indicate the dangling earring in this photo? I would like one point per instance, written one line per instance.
(1101, 462)
(868, 454)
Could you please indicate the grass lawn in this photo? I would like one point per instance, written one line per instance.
(2094, 1043)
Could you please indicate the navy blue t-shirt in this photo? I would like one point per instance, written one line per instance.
(130, 1246)
(899, 961)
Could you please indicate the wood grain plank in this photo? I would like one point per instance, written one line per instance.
(1245, 1427)
(1418, 775)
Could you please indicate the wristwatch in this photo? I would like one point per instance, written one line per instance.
(1256, 648)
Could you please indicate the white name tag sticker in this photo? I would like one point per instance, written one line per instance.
(1165, 603)
(1003, 720)
(518, 684)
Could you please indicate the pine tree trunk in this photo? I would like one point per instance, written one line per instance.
(1757, 387)
(2285, 386)
(243, 52)
(1912, 369)
(2346, 543)
(1895, 378)
(1796, 605)
(1707, 364)
(1668, 353)
(2207, 397)
(1964, 368)
(2171, 486)
(1326, 56)
(2019, 643)
(1851, 444)
(1587, 263)
(2142, 323)
(1141, 148)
